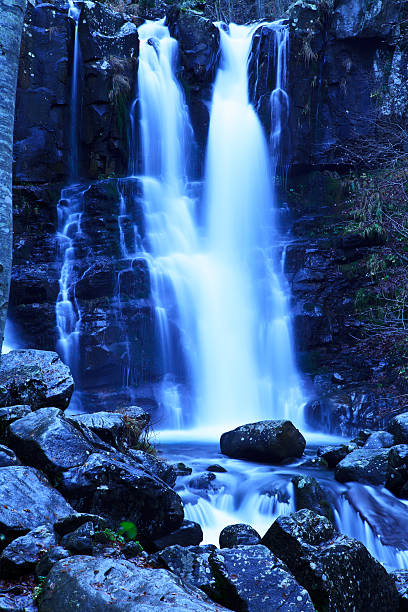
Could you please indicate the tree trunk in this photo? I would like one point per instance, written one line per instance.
(11, 26)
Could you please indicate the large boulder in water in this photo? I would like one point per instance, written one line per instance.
(266, 441)
(338, 572)
(239, 535)
(36, 378)
(366, 465)
(99, 584)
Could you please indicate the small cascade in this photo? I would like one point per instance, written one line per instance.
(69, 209)
(223, 324)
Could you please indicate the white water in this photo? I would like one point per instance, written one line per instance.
(216, 281)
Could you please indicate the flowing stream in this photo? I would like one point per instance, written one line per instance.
(221, 303)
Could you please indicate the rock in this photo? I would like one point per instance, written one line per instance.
(9, 414)
(337, 571)
(37, 378)
(268, 441)
(379, 439)
(204, 481)
(216, 468)
(191, 564)
(27, 502)
(239, 535)
(398, 427)
(310, 495)
(22, 555)
(117, 488)
(332, 455)
(155, 466)
(19, 599)
(116, 429)
(80, 541)
(401, 581)
(7, 457)
(97, 584)
(397, 477)
(368, 466)
(182, 469)
(72, 522)
(252, 578)
(46, 562)
(47, 440)
(188, 534)
(365, 19)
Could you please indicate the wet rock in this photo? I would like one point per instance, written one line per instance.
(205, 481)
(368, 466)
(49, 559)
(22, 555)
(182, 469)
(332, 455)
(75, 520)
(365, 19)
(7, 457)
(397, 477)
(116, 488)
(337, 571)
(239, 535)
(401, 581)
(309, 495)
(188, 534)
(398, 427)
(252, 578)
(80, 541)
(37, 378)
(269, 441)
(27, 502)
(116, 429)
(379, 439)
(191, 564)
(9, 414)
(155, 466)
(117, 584)
(19, 599)
(216, 468)
(47, 440)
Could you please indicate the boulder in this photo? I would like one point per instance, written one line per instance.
(7, 457)
(206, 481)
(116, 488)
(218, 469)
(27, 502)
(398, 427)
(337, 571)
(155, 466)
(266, 441)
(80, 541)
(9, 414)
(119, 430)
(333, 454)
(98, 584)
(401, 581)
(239, 535)
(379, 439)
(46, 562)
(368, 466)
(22, 555)
(252, 578)
(397, 477)
(191, 564)
(37, 378)
(188, 534)
(47, 440)
(310, 495)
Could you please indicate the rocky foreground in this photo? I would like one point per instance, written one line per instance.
(89, 519)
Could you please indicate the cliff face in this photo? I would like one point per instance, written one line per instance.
(347, 71)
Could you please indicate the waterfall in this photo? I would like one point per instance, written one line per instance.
(223, 323)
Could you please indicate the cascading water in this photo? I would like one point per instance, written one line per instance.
(218, 283)
(221, 306)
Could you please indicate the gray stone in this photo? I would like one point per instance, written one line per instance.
(379, 439)
(188, 534)
(268, 441)
(398, 427)
(239, 535)
(116, 429)
(368, 466)
(94, 584)
(22, 555)
(191, 564)
(7, 457)
(36, 378)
